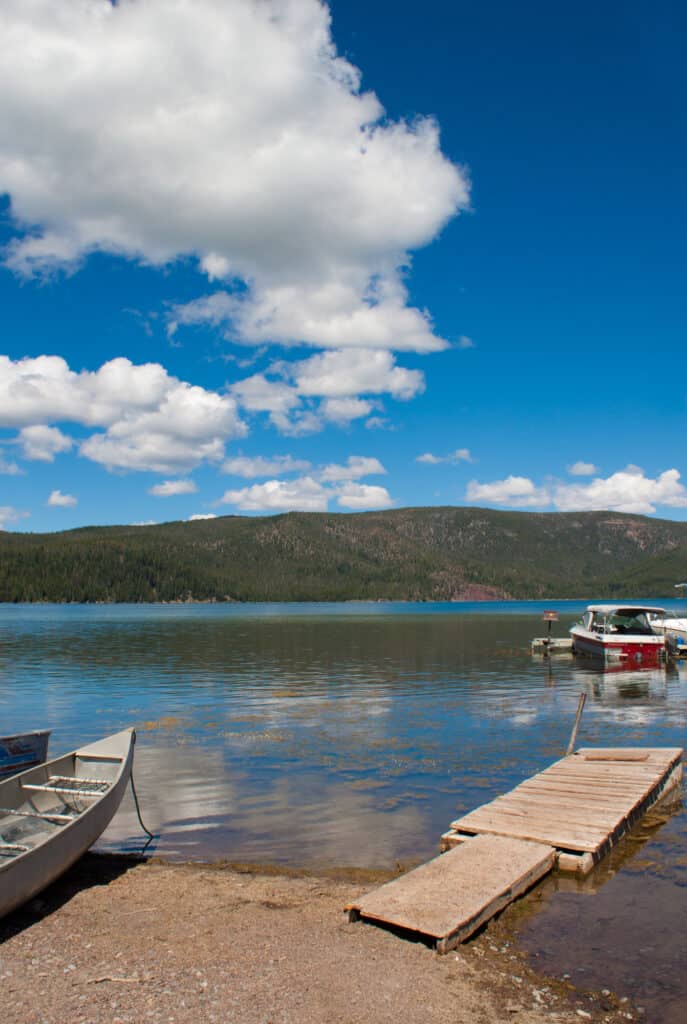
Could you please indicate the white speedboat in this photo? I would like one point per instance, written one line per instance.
(21, 751)
(677, 627)
(50, 815)
(620, 632)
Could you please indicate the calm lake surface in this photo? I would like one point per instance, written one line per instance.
(352, 735)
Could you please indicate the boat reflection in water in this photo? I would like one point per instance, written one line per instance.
(615, 685)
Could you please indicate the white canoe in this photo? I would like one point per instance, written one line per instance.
(22, 751)
(52, 814)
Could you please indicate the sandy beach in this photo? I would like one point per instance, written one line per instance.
(118, 941)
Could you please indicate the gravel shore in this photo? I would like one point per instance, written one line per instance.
(118, 941)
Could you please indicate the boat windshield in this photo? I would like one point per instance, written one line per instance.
(625, 621)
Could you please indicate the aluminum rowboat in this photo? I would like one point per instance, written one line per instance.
(52, 814)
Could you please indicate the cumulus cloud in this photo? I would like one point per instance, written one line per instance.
(201, 515)
(356, 466)
(59, 500)
(344, 410)
(170, 488)
(236, 134)
(259, 394)
(302, 396)
(628, 490)
(364, 496)
(43, 443)
(465, 342)
(304, 495)
(278, 465)
(153, 421)
(582, 469)
(459, 455)
(517, 491)
(44, 390)
(359, 372)
(314, 492)
(8, 514)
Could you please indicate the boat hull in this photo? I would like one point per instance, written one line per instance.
(25, 750)
(27, 874)
(647, 650)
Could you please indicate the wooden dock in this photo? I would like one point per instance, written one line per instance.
(551, 645)
(569, 816)
(581, 805)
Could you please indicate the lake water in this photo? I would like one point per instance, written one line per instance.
(352, 735)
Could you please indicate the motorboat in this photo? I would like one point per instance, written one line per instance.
(23, 750)
(675, 626)
(50, 815)
(621, 632)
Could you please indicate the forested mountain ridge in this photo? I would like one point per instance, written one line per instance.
(437, 554)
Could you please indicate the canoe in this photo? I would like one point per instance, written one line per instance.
(52, 814)
(17, 753)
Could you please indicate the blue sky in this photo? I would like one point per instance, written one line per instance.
(255, 260)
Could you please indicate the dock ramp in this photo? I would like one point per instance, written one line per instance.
(448, 898)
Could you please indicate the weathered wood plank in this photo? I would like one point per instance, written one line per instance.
(562, 810)
(588, 795)
(448, 898)
(617, 755)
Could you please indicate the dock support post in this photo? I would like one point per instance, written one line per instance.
(573, 734)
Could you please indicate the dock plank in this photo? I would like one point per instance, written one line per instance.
(449, 897)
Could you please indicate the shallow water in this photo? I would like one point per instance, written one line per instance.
(322, 735)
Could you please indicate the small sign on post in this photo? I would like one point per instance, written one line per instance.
(550, 617)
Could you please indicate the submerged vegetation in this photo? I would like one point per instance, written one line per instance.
(435, 554)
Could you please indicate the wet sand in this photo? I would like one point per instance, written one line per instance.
(120, 941)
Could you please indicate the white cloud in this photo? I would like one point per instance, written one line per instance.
(465, 342)
(233, 132)
(378, 423)
(313, 493)
(258, 394)
(336, 380)
(358, 372)
(304, 494)
(9, 468)
(626, 491)
(10, 515)
(44, 390)
(169, 488)
(459, 455)
(343, 410)
(201, 515)
(59, 500)
(356, 466)
(43, 443)
(153, 421)
(362, 496)
(516, 491)
(582, 469)
(278, 465)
